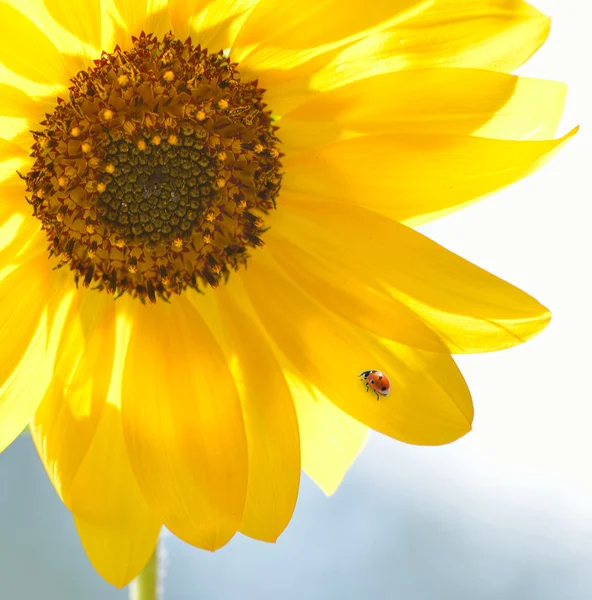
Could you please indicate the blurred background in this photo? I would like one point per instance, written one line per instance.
(504, 513)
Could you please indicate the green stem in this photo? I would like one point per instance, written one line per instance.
(146, 585)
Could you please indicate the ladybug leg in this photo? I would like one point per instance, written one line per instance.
(377, 395)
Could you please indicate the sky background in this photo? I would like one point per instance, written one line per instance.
(505, 513)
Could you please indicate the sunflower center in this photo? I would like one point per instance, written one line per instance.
(157, 172)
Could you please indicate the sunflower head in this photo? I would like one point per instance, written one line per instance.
(153, 175)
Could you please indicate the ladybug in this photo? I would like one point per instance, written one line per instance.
(378, 381)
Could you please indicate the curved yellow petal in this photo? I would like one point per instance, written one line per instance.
(470, 309)
(413, 178)
(15, 103)
(66, 421)
(428, 101)
(30, 335)
(78, 433)
(181, 12)
(9, 228)
(330, 439)
(287, 82)
(352, 294)
(27, 51)
(82, 19)
(9, 150)
(212, 23)
(150, 16)
(119, 546)
(18, 233)
(16, 223)
(484, 34)
(115, 525)
(23, 298)
(308, 24)
(12, 197)
(429, 403)
(533, 112)
(183, 423)
(133, 13)
(270, 420)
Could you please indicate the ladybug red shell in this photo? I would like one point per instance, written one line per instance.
(376, 380)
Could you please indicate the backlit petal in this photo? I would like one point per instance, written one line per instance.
(330, 439)
(150, 16)
(270, 420)
(27, 51)
(15, 103)
(429, 403)
(23, 298)
(66, 421)
(115, 525)
(470, 309)
(414, 177)
(78, 433)
(30, 331)
(297, 25)
(215, 23)
(181, 13)
(533, 112)
(8, 150)
(348, 292)
(83, 19)
(183, 424)
(133, 13)
(484, 34)
(428, 101)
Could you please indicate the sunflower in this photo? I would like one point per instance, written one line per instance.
(153, 150)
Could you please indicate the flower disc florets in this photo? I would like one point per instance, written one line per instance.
(150, 178)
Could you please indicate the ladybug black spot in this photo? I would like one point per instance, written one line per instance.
(382, 388)
(380, 377)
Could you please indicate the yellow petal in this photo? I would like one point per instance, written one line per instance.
(150, 16)
(83, 19)
(12, 198)
(307, 24)
(66, 421)
(533, 112)
(120, 543)
(484, 34)
(330, 439)
(23, 298)
(78, 433)
(27, 51)
(15, 103)
(428, 101)
(9, 149)
(286, 81)
(18, 233)
(352, 294)
(181, 12)
(114, 523)
(183, 424)
(471, 309)
(8, 231)
(214, 23)
(30, 332)
(429, 403)
(270, 421)
(414, 178)
(133, 13)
